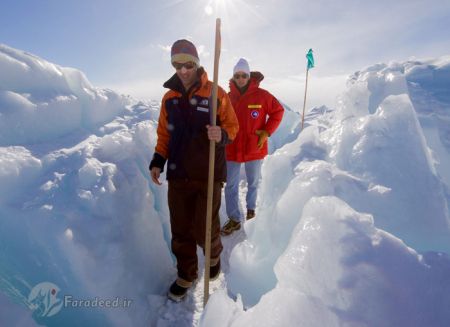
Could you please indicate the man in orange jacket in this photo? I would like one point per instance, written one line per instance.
(259, 114)
(184, 133)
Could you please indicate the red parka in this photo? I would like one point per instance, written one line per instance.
(256, 109)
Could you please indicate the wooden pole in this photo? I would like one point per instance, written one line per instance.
(212, 152)
(304, 99)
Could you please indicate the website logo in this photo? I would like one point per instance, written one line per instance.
(44, 301)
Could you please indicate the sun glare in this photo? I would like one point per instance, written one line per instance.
(230, 8)
(217, 6)
(233, 14)
(209, 10)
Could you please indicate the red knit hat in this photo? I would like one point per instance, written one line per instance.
(184, 51)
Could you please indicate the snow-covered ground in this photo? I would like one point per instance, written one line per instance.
(352, 224)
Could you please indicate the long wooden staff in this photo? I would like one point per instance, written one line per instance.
(212, 152)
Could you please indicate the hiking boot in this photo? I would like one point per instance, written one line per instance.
(250, 214)
(230, 226)
(178, 290)
(214, 271)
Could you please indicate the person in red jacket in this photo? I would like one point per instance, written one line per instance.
(259, 114)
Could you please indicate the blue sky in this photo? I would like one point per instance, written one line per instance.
(124, 45)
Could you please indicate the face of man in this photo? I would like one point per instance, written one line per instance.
(187, 73)
(241, 79)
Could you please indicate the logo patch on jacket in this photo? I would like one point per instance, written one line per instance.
(204, 102)
(202, 109)
(254, 114)
(254, 106)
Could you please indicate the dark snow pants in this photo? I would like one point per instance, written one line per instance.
(187, 205)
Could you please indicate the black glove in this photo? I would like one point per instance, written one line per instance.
(157, 161)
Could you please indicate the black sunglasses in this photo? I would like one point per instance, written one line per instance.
(237, 76)
(187, 65)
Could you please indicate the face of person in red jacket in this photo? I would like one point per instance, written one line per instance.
(241, 79)
(187, 73)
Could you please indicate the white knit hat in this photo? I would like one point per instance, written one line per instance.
(241, 66)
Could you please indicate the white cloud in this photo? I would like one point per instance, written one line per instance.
(165, 48)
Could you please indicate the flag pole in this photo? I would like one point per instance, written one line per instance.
(212, 151)
(310, 64)
(304, 99)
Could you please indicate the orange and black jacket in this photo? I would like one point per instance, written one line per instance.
(182, 134)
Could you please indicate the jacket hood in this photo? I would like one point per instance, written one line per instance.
(255, 80)
(258, 76)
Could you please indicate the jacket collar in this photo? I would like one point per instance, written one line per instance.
(174, 83)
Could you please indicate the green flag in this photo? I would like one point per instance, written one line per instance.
(310, 58)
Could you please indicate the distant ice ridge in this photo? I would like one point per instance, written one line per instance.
(42, 101)
(353, 217)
